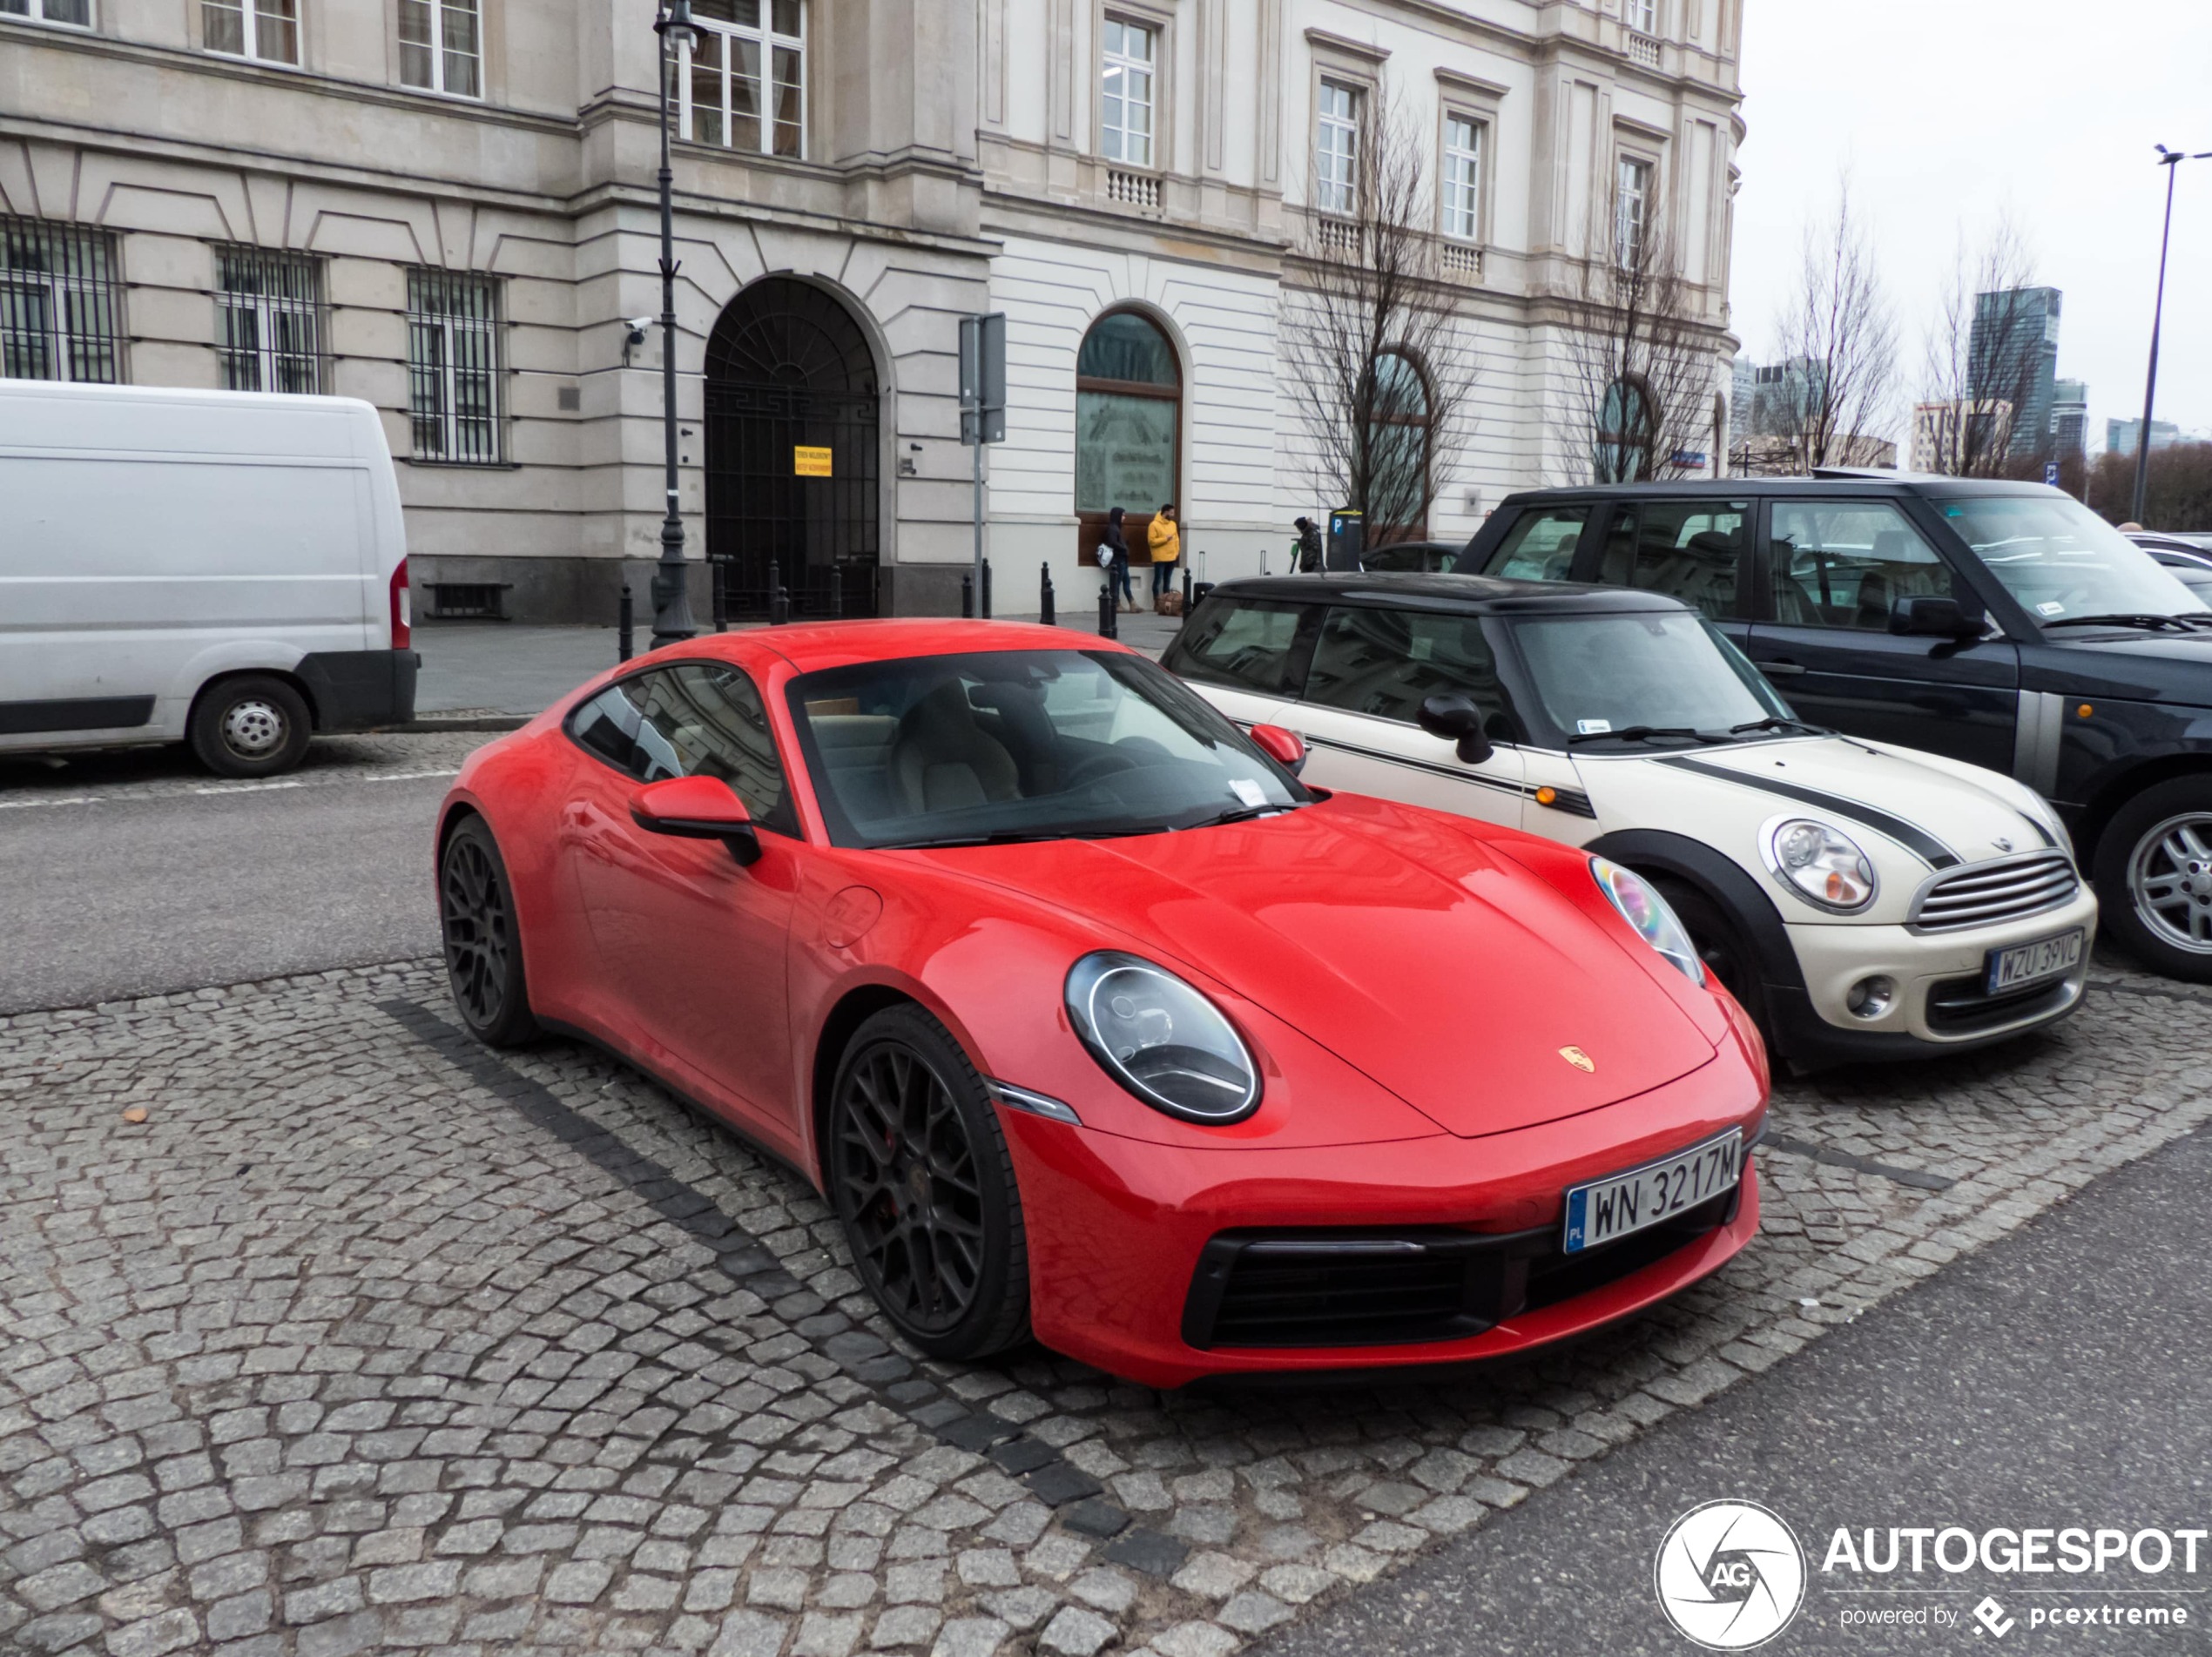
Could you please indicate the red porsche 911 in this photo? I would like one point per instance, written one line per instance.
(1092, 1022)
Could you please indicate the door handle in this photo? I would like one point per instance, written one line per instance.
(1782, 670)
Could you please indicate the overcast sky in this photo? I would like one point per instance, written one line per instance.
(1949, 112)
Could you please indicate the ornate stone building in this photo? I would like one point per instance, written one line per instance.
(447, 207)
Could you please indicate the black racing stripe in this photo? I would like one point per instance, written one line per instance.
(1919, 842)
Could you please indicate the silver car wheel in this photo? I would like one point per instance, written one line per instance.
(2169, 878)
(252, 728)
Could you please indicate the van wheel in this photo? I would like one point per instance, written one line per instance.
(249, 726)
(1723, 948)
(2154, 875)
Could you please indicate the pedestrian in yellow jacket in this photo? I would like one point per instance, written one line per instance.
(1166, 542)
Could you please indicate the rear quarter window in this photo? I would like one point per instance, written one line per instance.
(1242, 645)
(1539, 545)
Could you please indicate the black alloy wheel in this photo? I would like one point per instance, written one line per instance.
(483, 945)
(924, 1185)
(1722, 945)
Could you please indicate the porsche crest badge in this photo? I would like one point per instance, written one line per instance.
(1579, 1058)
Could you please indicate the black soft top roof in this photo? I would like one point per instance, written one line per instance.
(1479, 595)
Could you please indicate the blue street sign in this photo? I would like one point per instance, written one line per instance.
(2051, 473)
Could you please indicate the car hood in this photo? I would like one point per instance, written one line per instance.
(1907, 810)
(1395, 937)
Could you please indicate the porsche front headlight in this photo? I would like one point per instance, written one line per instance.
(1161, 1039)
(1642, 907)
(1821, 862)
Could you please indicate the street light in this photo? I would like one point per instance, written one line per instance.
(672, 590)
(2169, 160)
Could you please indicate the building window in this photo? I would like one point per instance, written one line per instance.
(61, 313)
(720, 84)
(1462, 178)
(1631, 211)
(270, 308)
(1336, 149)
(442, 46)
(452, 366)
(1642, 16)
(268, 29)
(1125, 93)
(1626, 430)
(1395, 466)
(76, 12)
(1128, 425)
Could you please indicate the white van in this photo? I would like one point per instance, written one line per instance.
(226, 569)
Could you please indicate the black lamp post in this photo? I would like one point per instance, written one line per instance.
(672, 596)
(2169, 159)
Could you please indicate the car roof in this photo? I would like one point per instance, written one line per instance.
(1884, 484)
(1482, 595)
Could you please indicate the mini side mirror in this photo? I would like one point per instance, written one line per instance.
(697, 808)
(1285, 748)
(1456, 718)
(1933, 617)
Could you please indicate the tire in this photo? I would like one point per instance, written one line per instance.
(923, 1183)
(483, 939)
(2154, 878)
(253, 726)
(1724, 948)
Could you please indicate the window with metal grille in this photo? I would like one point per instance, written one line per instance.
(76, 12)
(61, 307)
(719, 90)
(268, 29)
(452, 366)
(269, 306)
(442, 46)
(1336, 149)
(1463, 179)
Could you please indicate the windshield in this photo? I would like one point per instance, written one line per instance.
(1022, 744)
(1595, 676)
(2061, 560)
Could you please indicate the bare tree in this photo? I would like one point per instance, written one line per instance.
(1982, 360)
(1839, 350)
(1642, 360)
(1381, 370)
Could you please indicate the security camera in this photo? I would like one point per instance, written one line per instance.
(637, 327)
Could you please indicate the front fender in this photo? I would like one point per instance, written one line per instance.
(1722, 879)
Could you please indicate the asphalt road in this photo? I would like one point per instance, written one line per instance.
(146, 876)
(2062, 1376)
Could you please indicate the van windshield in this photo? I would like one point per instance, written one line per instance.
(1603, 681)
(2062, 561)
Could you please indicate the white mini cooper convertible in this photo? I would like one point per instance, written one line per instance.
(1862, 900)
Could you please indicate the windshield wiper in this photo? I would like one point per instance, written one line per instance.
(2152, 624)
(1776, 722)
(1243, 814)
(1641, 734)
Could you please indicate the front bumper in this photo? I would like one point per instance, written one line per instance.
(1119, 1231)
(1939, 1003)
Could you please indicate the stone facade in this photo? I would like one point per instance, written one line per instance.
(951, 159)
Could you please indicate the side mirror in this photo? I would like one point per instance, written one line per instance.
(1285, 748)
(697, 808)
(1456, 718)
(1933, 617)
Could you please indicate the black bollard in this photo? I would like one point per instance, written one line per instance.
(1106, 617)
(623, 650)
(968, 596)
(779, 600)
(987, 590)
(721, 595)
(837, 593)
(1044, 596)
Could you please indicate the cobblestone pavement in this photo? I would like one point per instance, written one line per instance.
(365, 1339)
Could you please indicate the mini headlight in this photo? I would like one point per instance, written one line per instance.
(1642, 907)
(1161, 1039)
(1822, 864)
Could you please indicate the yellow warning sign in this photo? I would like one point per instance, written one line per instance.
(810, 463)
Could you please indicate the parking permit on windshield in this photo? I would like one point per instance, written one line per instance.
(1248, 791)
(1592, 727)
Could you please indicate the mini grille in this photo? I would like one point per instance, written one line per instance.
(1984, 892)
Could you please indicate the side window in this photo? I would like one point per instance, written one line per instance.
(1386, 661)
(694, 719)
(1244, 645)
(1846, 563)
(1540, 545)
(1693, 550)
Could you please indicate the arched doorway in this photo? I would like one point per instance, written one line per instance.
(1129, 426)
(788, 369)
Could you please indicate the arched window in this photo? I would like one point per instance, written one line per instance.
(1623, 453)
(1129, 425)
(1396, 495)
